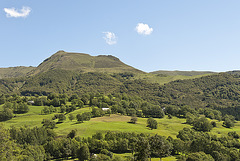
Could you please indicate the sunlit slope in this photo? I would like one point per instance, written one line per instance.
(182, 73)
(12, 72)
(85, 63)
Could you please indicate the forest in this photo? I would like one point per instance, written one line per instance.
(43, 143)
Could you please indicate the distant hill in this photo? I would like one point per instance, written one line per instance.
(84, 63)
(183, 73)
(234, 72)
(12, 72)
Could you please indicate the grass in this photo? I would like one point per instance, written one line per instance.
(166, 127)
(220, 130)
(153, 78)
(125, 155)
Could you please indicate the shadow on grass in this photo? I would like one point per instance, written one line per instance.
(76, 123)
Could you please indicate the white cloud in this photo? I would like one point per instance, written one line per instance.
(12, 12)
(110, 38)
(143, 29)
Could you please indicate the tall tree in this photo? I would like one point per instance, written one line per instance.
(160, 147)
(142, 149)
(83, 153)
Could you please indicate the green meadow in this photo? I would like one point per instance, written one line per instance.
(114, 122)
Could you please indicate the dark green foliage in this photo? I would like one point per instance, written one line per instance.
(32, 136)
(233, 134)
(151, 123)
(190, 118)
(202, 124)
(72, 134)
(21, 108)
(86, 116)
(97, 112)
(142, 149)
(153, 111)
(17, 108)
(6, 114)
(159, 146)
(83, 153)
(48, 123)
(199, 156)
(220, 148)
(228, 123)
(70, 117)
(62, 109)
(61, 117)
(48, 110)
(169, 116)
(36, 152)
(79, 117)
(133, 120)
(214, 124)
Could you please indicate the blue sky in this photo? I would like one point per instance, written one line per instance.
(179, 34)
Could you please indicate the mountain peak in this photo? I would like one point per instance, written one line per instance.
(84, 62)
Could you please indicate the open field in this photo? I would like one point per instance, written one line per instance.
(166, 127)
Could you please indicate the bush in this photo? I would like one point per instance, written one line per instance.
(151, 123)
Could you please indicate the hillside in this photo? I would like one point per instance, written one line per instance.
(182, 73)
(84, 63)
(12, 72)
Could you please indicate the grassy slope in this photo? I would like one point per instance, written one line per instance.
(84, 62)
(166, 127)
(14, 72)
(183, 73)
(163, 79)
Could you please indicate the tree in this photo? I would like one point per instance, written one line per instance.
(228, 123)
(202, 124)
(151, 123)
(72, 134)
(142, 149)
(55, 102)
(86, 116)
(70, 117)
(79, 118)
(159, 146)
(63, 109)
(48, 123)
(199, 156)
(83, 153)
(133, 120)
(80, 103)
(61, 117)
(6, 114)
(190, 118)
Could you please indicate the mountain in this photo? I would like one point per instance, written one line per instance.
(79, 73)
(84, 63)
(183, 73)
(12, 72)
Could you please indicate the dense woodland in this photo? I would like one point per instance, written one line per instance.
(218, 91)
